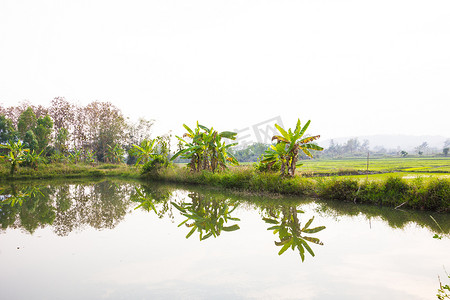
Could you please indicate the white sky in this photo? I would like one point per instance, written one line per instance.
(352, 67)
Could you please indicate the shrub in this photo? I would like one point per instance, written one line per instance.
(155, 165)
(265, 167)
(344, 189)
(437, 195)
(395, 191)
(370, 192)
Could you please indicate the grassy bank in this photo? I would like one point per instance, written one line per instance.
(67, 170)
(430, 194)
(387, 189)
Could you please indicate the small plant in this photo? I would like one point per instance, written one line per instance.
(32, 159)
(114, 154)
(444, 290)
(89, 157)
(75, 156)
(267, 167)
(58, 157)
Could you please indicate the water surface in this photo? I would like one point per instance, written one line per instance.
(121, 240)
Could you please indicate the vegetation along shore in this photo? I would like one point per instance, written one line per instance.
(69, 141)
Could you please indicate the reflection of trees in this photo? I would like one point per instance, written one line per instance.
(26, 208)
(286, 223)
(206, 215)
(67, 207)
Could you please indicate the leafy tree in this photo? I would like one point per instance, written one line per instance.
(63, 114)
(30, 140)
(62, 137)
(105, 127)
(250, 153)
(26, 122)
(288, 146)
(422, 148)
(352, 145)
(7, 131)
(140, 131)
(43, 131)
(445, 151)
(447, 143)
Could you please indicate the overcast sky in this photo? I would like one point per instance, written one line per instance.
(352, 67)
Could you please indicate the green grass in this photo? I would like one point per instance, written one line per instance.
(69, 170)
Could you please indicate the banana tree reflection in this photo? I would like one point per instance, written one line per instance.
(153, 198)
(290, 232)
(208, 217)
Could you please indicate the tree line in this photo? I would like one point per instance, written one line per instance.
(97, 130)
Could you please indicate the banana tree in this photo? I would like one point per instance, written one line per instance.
(145, 151)
(289, 144)
(16, 154)
(208, 217)
(205, 148)
(114, 154)
(290, 232)
(219, 153)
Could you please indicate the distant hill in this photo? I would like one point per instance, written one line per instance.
(404, 142)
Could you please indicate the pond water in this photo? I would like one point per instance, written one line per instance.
(122, 240)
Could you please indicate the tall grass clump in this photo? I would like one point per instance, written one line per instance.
(339, 189)
(437, 195)
(370, 192)
(395, 191)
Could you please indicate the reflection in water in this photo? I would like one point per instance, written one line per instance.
(286, 223)
(154, 198)
(207, 216)
(65, 207)
(127, 255)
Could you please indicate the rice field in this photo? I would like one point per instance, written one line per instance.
(407, 167)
